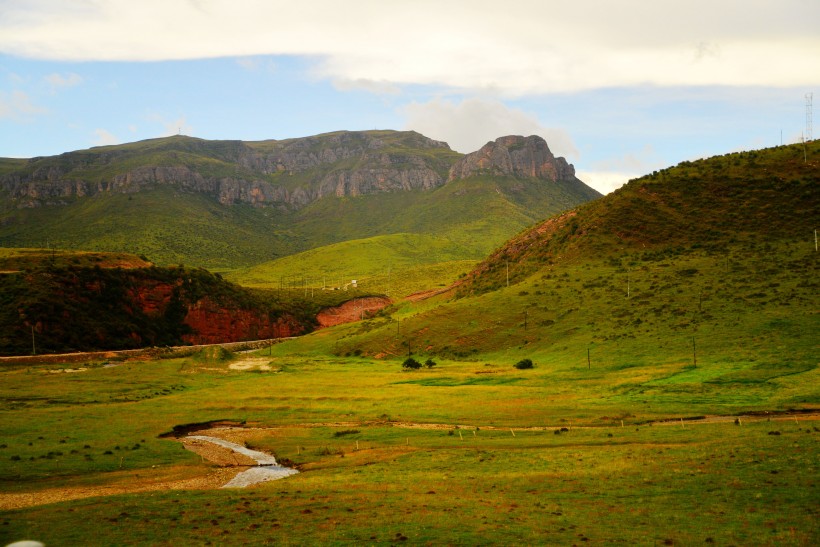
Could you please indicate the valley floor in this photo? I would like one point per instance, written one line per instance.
(385, 454)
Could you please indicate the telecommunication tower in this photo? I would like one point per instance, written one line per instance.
(808, 115)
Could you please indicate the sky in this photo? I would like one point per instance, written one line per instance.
(619, 87)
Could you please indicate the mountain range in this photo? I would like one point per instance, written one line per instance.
(228, 204)
(721, 249)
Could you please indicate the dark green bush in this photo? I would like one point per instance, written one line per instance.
(429, 363)
(411, 363)
(524, 363)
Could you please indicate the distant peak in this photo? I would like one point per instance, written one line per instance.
(514, 155)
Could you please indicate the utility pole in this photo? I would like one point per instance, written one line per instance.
(33, 348)
(525, 319)
(508, 272)
(805, 156)
(694, 352)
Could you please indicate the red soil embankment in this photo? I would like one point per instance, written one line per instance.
(352, 310)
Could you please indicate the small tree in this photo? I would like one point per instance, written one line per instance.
(524, 363)
(411, 363)
(429, 363)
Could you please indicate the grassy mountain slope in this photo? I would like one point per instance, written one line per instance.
(740, 198)
(633, 338)
(167, 225)
(464, 220)
(184, 221)
(396, 265)
(695, 315)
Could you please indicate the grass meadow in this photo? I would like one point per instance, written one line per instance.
(465, 452)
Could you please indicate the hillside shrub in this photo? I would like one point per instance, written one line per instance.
(429, 363)
(411, 364)
(524, 363)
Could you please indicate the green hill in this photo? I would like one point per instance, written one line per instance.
(673, 398)
(233, 204)
(745, 198)
(699, 282)
(396, 265)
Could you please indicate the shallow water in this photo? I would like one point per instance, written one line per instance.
(268, 469)
(255, 475)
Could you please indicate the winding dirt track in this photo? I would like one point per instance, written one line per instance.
(121, 483)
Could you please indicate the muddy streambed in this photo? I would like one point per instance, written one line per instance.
(266, 469)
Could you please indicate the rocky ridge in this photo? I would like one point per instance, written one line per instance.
(515, 156)
(293, 173)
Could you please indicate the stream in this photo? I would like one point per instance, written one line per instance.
(267, 468)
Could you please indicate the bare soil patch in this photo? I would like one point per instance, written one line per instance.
(251, 363)
(352, 310)
(123, 483)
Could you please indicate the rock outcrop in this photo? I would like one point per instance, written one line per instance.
(83, 309)
(292, 173)
(514, 156)
(212, 323)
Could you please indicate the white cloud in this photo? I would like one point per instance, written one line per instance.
(642, 161)
(612, 173)
(516, 47)
(17, 106)
(380, 87)
(470, 124)
(605, 181)
(104, 138)
(58, 81)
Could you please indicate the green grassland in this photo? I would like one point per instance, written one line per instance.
(395, 265)
(369, 479)
(609, 367)
(633, 337)
(711, 322)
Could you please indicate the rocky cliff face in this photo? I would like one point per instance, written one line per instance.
(514, 156)
(214, 324)
(293, 172)
(83, 309)
(207, 320)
